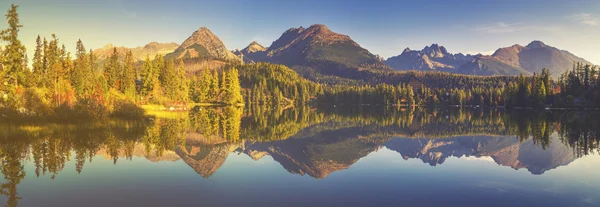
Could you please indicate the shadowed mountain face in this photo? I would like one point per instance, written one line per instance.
(252, 53)
(316, 154)
(513, 60)
(319, 50)
(205, 45)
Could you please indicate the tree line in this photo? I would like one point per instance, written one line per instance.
(579, 87)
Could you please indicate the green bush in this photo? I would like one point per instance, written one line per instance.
(36, 102)
(128, 110)
(90, 109)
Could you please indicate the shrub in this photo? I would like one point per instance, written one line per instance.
(36, 102)
(128, 110)
(90, 109)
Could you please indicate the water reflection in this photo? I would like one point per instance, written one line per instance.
(303, 140)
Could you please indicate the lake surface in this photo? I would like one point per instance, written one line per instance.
(307, 157)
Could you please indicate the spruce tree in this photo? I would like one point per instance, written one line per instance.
(13, 65)
(232, 87)
(184, 84)
(112, 68)
(82, 77)
(128, 76)
(170, 80)
(148, 76)
(38, 65)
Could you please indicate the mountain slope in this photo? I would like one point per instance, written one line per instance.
(432, 57)
(517, 59)
(254, 52)
(203, 44)
(317, 51)
(513, 60)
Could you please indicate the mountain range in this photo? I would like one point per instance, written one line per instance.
(513, 60)
(320, 54)
(318, 151)
(139, 53)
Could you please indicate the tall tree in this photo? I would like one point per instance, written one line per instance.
(128, 76)
(14, 52)
(38, 64)
(170, 80)
(232, 87)
(149, 76)
(112, 70)
(184, 83)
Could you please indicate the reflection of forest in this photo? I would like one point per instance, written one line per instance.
(303, 140)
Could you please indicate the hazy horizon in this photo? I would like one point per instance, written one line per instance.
(385, 28)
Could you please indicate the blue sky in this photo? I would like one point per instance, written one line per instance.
(383, 27)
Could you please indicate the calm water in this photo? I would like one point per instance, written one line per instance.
(307, 157)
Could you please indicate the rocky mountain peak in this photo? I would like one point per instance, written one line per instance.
(204, 44)
(536, 44)
(254, 47)
(435, 51)
(318, 27)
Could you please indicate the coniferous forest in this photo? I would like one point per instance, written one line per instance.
(61, 85)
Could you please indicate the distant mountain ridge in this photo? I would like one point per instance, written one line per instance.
(513, 60)
(139, 53)
(432, 57)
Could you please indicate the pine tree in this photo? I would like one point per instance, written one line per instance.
(213, 94)
(184, 83)
(170, 80)
(149, 77)
(82, 77)
(232, 87)
(14, 52)
(128, 76)
(112, 70)
(38, 65)
(93, 62)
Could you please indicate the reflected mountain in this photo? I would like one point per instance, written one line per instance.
(506, 151)
(317, 152)
(304, 141)
(205, 159)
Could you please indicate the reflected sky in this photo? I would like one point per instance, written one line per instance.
(381, 178)
(306, 158)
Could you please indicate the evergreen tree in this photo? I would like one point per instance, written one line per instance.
(170, 80)
(38, 64)
(93, 62)
(128, 76)
(232, 87)
(149, 76)
(82, 78)
(112, 70)
(13, 65)
(184, 83)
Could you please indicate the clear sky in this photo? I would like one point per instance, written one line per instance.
(381, 26)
